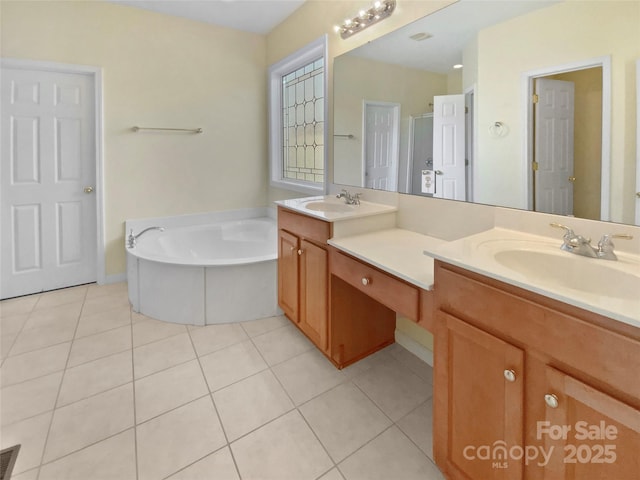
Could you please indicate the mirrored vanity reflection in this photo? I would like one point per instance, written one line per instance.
(540, 116)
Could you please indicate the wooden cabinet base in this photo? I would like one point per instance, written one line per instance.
(359, 325)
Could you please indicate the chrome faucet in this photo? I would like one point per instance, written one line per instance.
(132, 239)
(349, 198)
(582, 246)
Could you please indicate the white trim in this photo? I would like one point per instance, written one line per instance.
(527, 79)
(471, 185)
(419, 350)
(637, 192)
(312, 51)
(396, 138)
(96, 74)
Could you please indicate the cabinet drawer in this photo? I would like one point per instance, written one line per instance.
(303, 226)
(386, 289)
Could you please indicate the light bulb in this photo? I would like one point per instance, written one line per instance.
(336, 28)
(347, 22)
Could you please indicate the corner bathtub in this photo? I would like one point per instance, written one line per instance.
(217, 272)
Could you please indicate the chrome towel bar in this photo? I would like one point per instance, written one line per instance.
(191, 130)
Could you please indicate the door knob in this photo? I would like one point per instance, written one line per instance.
(438, 172)
(88, 189)
(551, 400)
(572, 179)
(638, 194)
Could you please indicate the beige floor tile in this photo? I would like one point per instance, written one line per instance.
(218, 465)
(51, 316)
(17, 306)
(283, 449)
(231, 364)
(264, 325)
(281, 344)
(333, 474)
(88, 421)
(36, 338)
(100, 345)
(6, 342)
(29, 398)
(95, 377)
(418, 426)
(413, 363)
(250, 403)
(168, 389)
(157, 356)
(104, 303)
(110, 459)
(31, 435)
(390, 455)
(95, 290)
(344, 419)
(29, 475)
(13, 323)
(177, 439)
(34, 364)
(152, 330)
(394, 388)
(61, 297)
(307, 376)
(215, 337)
(103, 321)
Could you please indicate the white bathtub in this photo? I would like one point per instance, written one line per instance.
(205, 269)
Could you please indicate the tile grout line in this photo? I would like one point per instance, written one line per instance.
(55, 403)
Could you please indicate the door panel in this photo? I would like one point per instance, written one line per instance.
(49, 223)
(288, 282)
(449, 147)
(554, 146)
(314, 294)
(381, 145)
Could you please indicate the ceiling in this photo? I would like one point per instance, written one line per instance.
(450, 28)
(257, 16)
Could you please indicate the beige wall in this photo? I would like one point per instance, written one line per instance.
(361, 79)
(316, 18)
(159, 71)
(567, 32)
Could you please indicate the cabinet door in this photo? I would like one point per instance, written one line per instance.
(588, 434)
(314, 293)
(288, 282)
(483, 378)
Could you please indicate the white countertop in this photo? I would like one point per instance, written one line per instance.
(395, 251)
(465, 253)
(365, 208)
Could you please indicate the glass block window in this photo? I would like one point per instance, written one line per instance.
(297, 121)
(303, 123)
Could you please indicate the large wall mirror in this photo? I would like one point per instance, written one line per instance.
(541, 115)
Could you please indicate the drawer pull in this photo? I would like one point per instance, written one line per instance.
(366, 281)
(551, 400)
(510, 375)
(300, 252)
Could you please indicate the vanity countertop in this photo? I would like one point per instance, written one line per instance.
(536, 263)
(336, 209)
(395, 251)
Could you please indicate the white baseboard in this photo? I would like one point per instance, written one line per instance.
(117, 278)
(419, 350)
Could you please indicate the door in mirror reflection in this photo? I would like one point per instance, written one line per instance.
(381, 145)
(449, 147)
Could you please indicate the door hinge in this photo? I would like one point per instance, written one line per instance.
(534, 166)
(466, 109)
(536, 99)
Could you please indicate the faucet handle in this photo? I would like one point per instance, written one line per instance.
(606, 239)
(564, 227)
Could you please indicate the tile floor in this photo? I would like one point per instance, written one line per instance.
(94, 391)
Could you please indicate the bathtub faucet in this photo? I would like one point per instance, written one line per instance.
(131, 239)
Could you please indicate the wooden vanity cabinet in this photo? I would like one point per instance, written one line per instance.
(303, 277)
(516, 369)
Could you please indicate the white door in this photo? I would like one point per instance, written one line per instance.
(48, 204)
(381, 145)
(554, 146)
(449, 146)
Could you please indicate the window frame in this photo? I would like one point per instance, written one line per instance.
(313, 51)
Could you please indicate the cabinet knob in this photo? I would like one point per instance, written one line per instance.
(551, 400)
(300, 252)
(510, 375)
(365, 281)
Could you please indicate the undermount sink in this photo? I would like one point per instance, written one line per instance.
(546, 264)
(324, 206)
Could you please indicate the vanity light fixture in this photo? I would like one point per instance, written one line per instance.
(380, 10)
